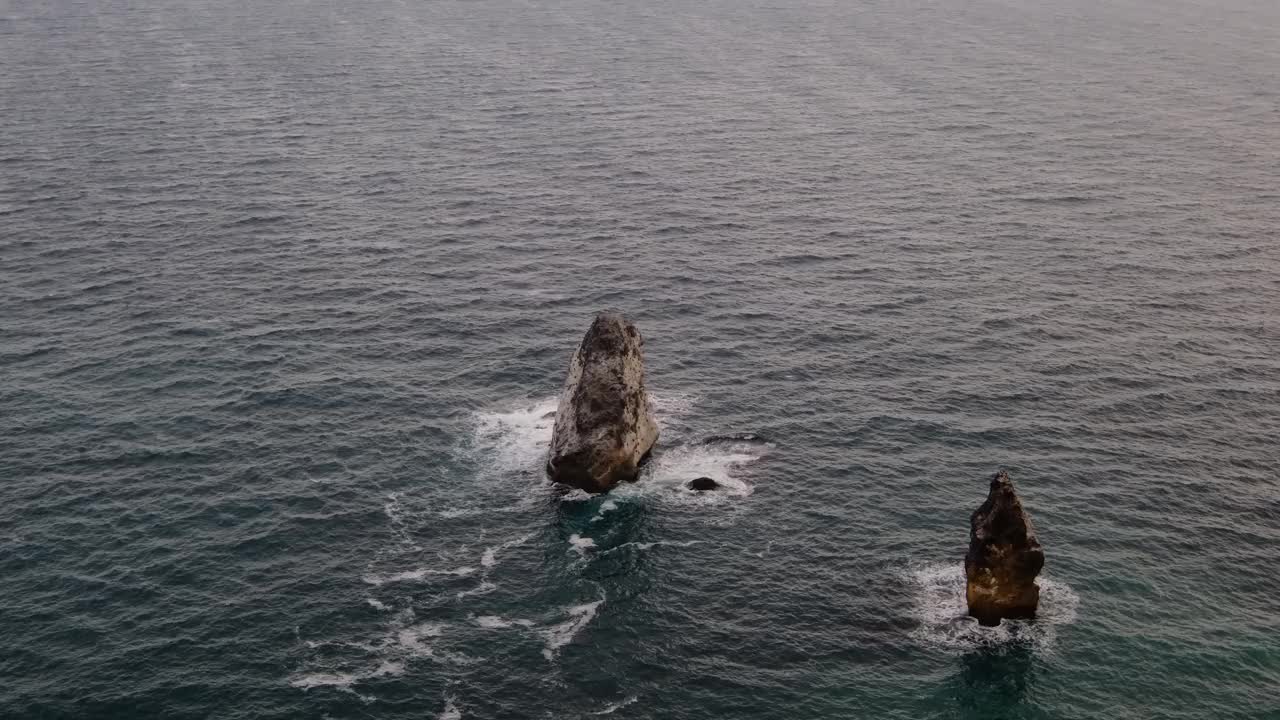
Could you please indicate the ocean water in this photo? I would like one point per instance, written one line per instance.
(288, 288)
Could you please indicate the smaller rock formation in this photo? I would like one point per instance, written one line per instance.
(702, 483)
(733, 438)
(1004, 558)
(605, 425)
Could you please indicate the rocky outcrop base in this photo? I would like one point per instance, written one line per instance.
(702, 484)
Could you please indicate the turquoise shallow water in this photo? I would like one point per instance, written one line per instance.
(287, 290)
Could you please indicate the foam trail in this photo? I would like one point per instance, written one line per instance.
(488, 560)
(344, 681)
(557, 636)
(484, 588)
(611, 709)
(451, 711)
(411, 638)
(490, 556)
(652, 544)
(403, 641)
(581, 544)
(339, 680)
(416, 575)
(412, 642)
(496, 622)
(943, 612)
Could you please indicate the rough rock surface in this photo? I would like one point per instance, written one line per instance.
(604, 426)
(1004, 558)
(702, 483)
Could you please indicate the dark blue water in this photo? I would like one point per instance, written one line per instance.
(287, 289)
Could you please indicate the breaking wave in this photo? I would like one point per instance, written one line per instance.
(516, 439)
(721, 461)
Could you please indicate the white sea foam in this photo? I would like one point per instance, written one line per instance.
(310, 680)
(388, 667)
(723, 461)
(344, 680)
(650, 545)
(580, 543)
(490, 556)
(561, 634)
(497, 622)
(394, 511)
(451, 711)
(417, 575)
(377, 605)
(606, 506)
(517, 439)
(941, 608)
(611, 709)
(412, 638)
(484, 588)
(576, 495)
(488, 559)
(670, 470)
(412, 641)
(404, 640)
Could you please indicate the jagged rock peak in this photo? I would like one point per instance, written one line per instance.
(1004, 557)
(605, 426)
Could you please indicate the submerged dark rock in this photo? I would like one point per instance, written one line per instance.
(1004, 558)
(733, 438)
(702, 483)
(605, 425)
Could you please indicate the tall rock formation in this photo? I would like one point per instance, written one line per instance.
(1004, 557)
(605, 425)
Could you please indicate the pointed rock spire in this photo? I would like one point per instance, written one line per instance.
(605, 426)
(1004, 557)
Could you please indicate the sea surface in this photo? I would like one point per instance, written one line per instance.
(288, 289)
